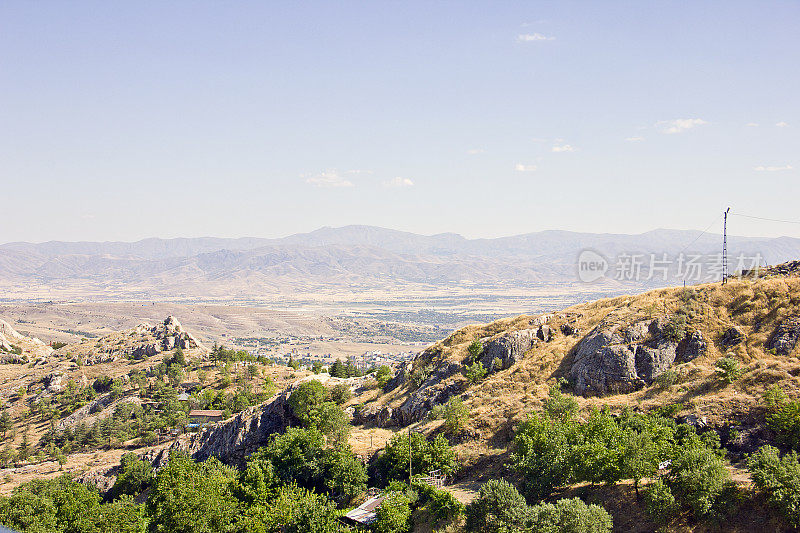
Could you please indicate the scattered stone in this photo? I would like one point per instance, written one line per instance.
(509, 348)
(53, 382)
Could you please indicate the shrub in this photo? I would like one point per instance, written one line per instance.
(675, 329)
(569, 516)
(499, 507)
(444, 506)
(456, 416)
(474, 350)
(340, 393)
(382, 375)
(420, 375)
(667, 379)
(394, 514)
(475, 372)
(560, 406)
(698, 477)
(779, 478)
(659, 502)
(728, 369)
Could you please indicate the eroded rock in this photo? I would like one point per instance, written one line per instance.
(785, 337)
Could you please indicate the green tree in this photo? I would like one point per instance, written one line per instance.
(426, 455)
(340, 393)
(728, 369)
(5, 423)
(499, 508)
(382, 375)
(569, 516)
(306, 400)
(559, 406)
(779, 479)
(189, 497)
(394, 514)
(337, 369)
(135, 475)
(456, 416)
(475, 350)
(475, 372)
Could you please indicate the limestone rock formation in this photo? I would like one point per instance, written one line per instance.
(785, 337)
(374, 415)
(53, 382)
(613, 358)
(510, 347)
(233, 440)
(435, 390)
(692, 347)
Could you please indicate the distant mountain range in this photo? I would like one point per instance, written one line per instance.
(350, 258)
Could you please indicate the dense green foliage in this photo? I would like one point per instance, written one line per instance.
(554, 452)
(499, 508)
(475, 372)
(64, 506)
(728, 369)
(394, 514)
(779, 478)
(135, 475)
(426, 455)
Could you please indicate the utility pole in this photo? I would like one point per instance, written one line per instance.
(725, 247)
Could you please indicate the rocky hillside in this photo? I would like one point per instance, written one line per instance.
(18, 348)
(644, 351)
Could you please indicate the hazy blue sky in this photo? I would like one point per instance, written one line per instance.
(123, 120)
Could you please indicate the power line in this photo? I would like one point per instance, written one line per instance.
(716, 219)
(768, 219)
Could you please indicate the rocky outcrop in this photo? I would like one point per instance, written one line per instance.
(172, 335)
(510, 347)
(399, 379)
(233, 440)
(374, 415)
(785, 337)
(145, 350)
(692, 347)
(613, 358)
(732, 337)
(435, 390)
(53, 382)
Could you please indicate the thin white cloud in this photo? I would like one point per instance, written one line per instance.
(782, 124)
(519, 167)
(398, 182)
(679, 125)
(752, 124)
(533, 37)
(772, 168)
(563, 148)
(329, 178)
(634, 139)
(476, 151)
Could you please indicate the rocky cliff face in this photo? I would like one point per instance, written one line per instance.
(233, 440)
(785, 337)
(615, 358)
(16, 348)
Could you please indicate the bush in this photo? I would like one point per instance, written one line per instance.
(675, 329)
(382, 375)
(456, 416)
(499, 507)
(420, 375)
(659, 502)
(698, 477)
(340, 393)
(667, 379)
(474, 350)
(728, 369)
(569, 516)
(779, 478)
(475, 372)
(559, 406)
(444, 506)
(426, 455)
(394, 514)
(785, 422)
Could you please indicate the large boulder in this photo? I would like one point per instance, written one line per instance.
(509, 348)
(374, 415)
(613, 358)
(145, 350)
(785, 337)
(53, 382)
(692, 346)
